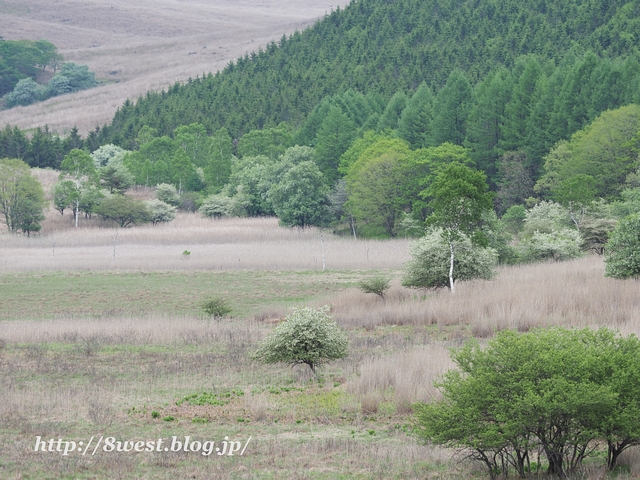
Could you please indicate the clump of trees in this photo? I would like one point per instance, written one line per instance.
(307, 336)
(21, 197)
(542, 400)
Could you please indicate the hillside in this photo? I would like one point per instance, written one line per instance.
(380, 46)
(141, 46)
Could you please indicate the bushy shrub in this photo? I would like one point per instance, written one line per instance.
(160, 212)
(622, 251)
(216, 307)
(307, 336)
(168, 193)
(546, 217)
(215, 206)
(429, 267)
(25, 92)
(557, 245)
(108, 155)
(377, 285)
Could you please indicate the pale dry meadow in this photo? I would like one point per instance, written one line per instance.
(96, 346)
(145, 45)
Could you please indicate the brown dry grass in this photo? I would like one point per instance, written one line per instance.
(234, 243)
(145, 45)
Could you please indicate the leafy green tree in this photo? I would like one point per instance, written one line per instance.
(576, 194)
(452, 106)
(90, 197)
(377, 285)
(160, 212)
(557, 245)
(25, 92)
(115, 178)
(124, 210)
(80, 168)
(218, 168)
(307, 336)
(300, 199)
(21, 197)
(603, 149)
(270, 142)
(622, 251)
(215, 206)
(516, 183)
(64, 195)
(167, 193)
(334, 137)
(460, 198)
(430, 263)
(108, 155)
(377, 192)
(415, 120)
(393, 112)
(79, 76)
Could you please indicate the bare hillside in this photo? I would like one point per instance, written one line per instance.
(143, 45)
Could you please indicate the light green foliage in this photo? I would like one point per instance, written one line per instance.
(79, 76)
(622, 251)
(65, 194)
(557, 245)
(553, 390)
(576, 194)
(429, 266)
(25, 92)
(160, 212)
(307, 336)
(629, 204)
(216, 307)
(300, 198)
(108, 155)
(78, 165)
(215, 206)
(21, 197)
(546, 217)
(603, 149)
(460, 200)
(270, 142)
(168, 194)
(90, 197)
(514, 218)
(377, 285)
(123, 210)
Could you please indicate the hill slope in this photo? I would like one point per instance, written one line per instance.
(382, 46)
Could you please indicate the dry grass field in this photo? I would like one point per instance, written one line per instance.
(145, 45)
(92, 346)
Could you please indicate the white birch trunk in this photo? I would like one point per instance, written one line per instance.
(451, 248)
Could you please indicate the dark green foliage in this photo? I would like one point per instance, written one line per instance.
(216, 307)
(384, 47)
(20, 59)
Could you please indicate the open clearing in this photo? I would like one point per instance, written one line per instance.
(145, 45)
(92, 346)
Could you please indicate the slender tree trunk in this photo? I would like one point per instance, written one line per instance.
(451, 249)
(77, 211)
(322, 242)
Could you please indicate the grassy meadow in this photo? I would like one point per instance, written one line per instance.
(93, 344)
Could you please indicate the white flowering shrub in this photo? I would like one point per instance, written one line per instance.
(560, 244)
(429, 267)
(307, 336)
